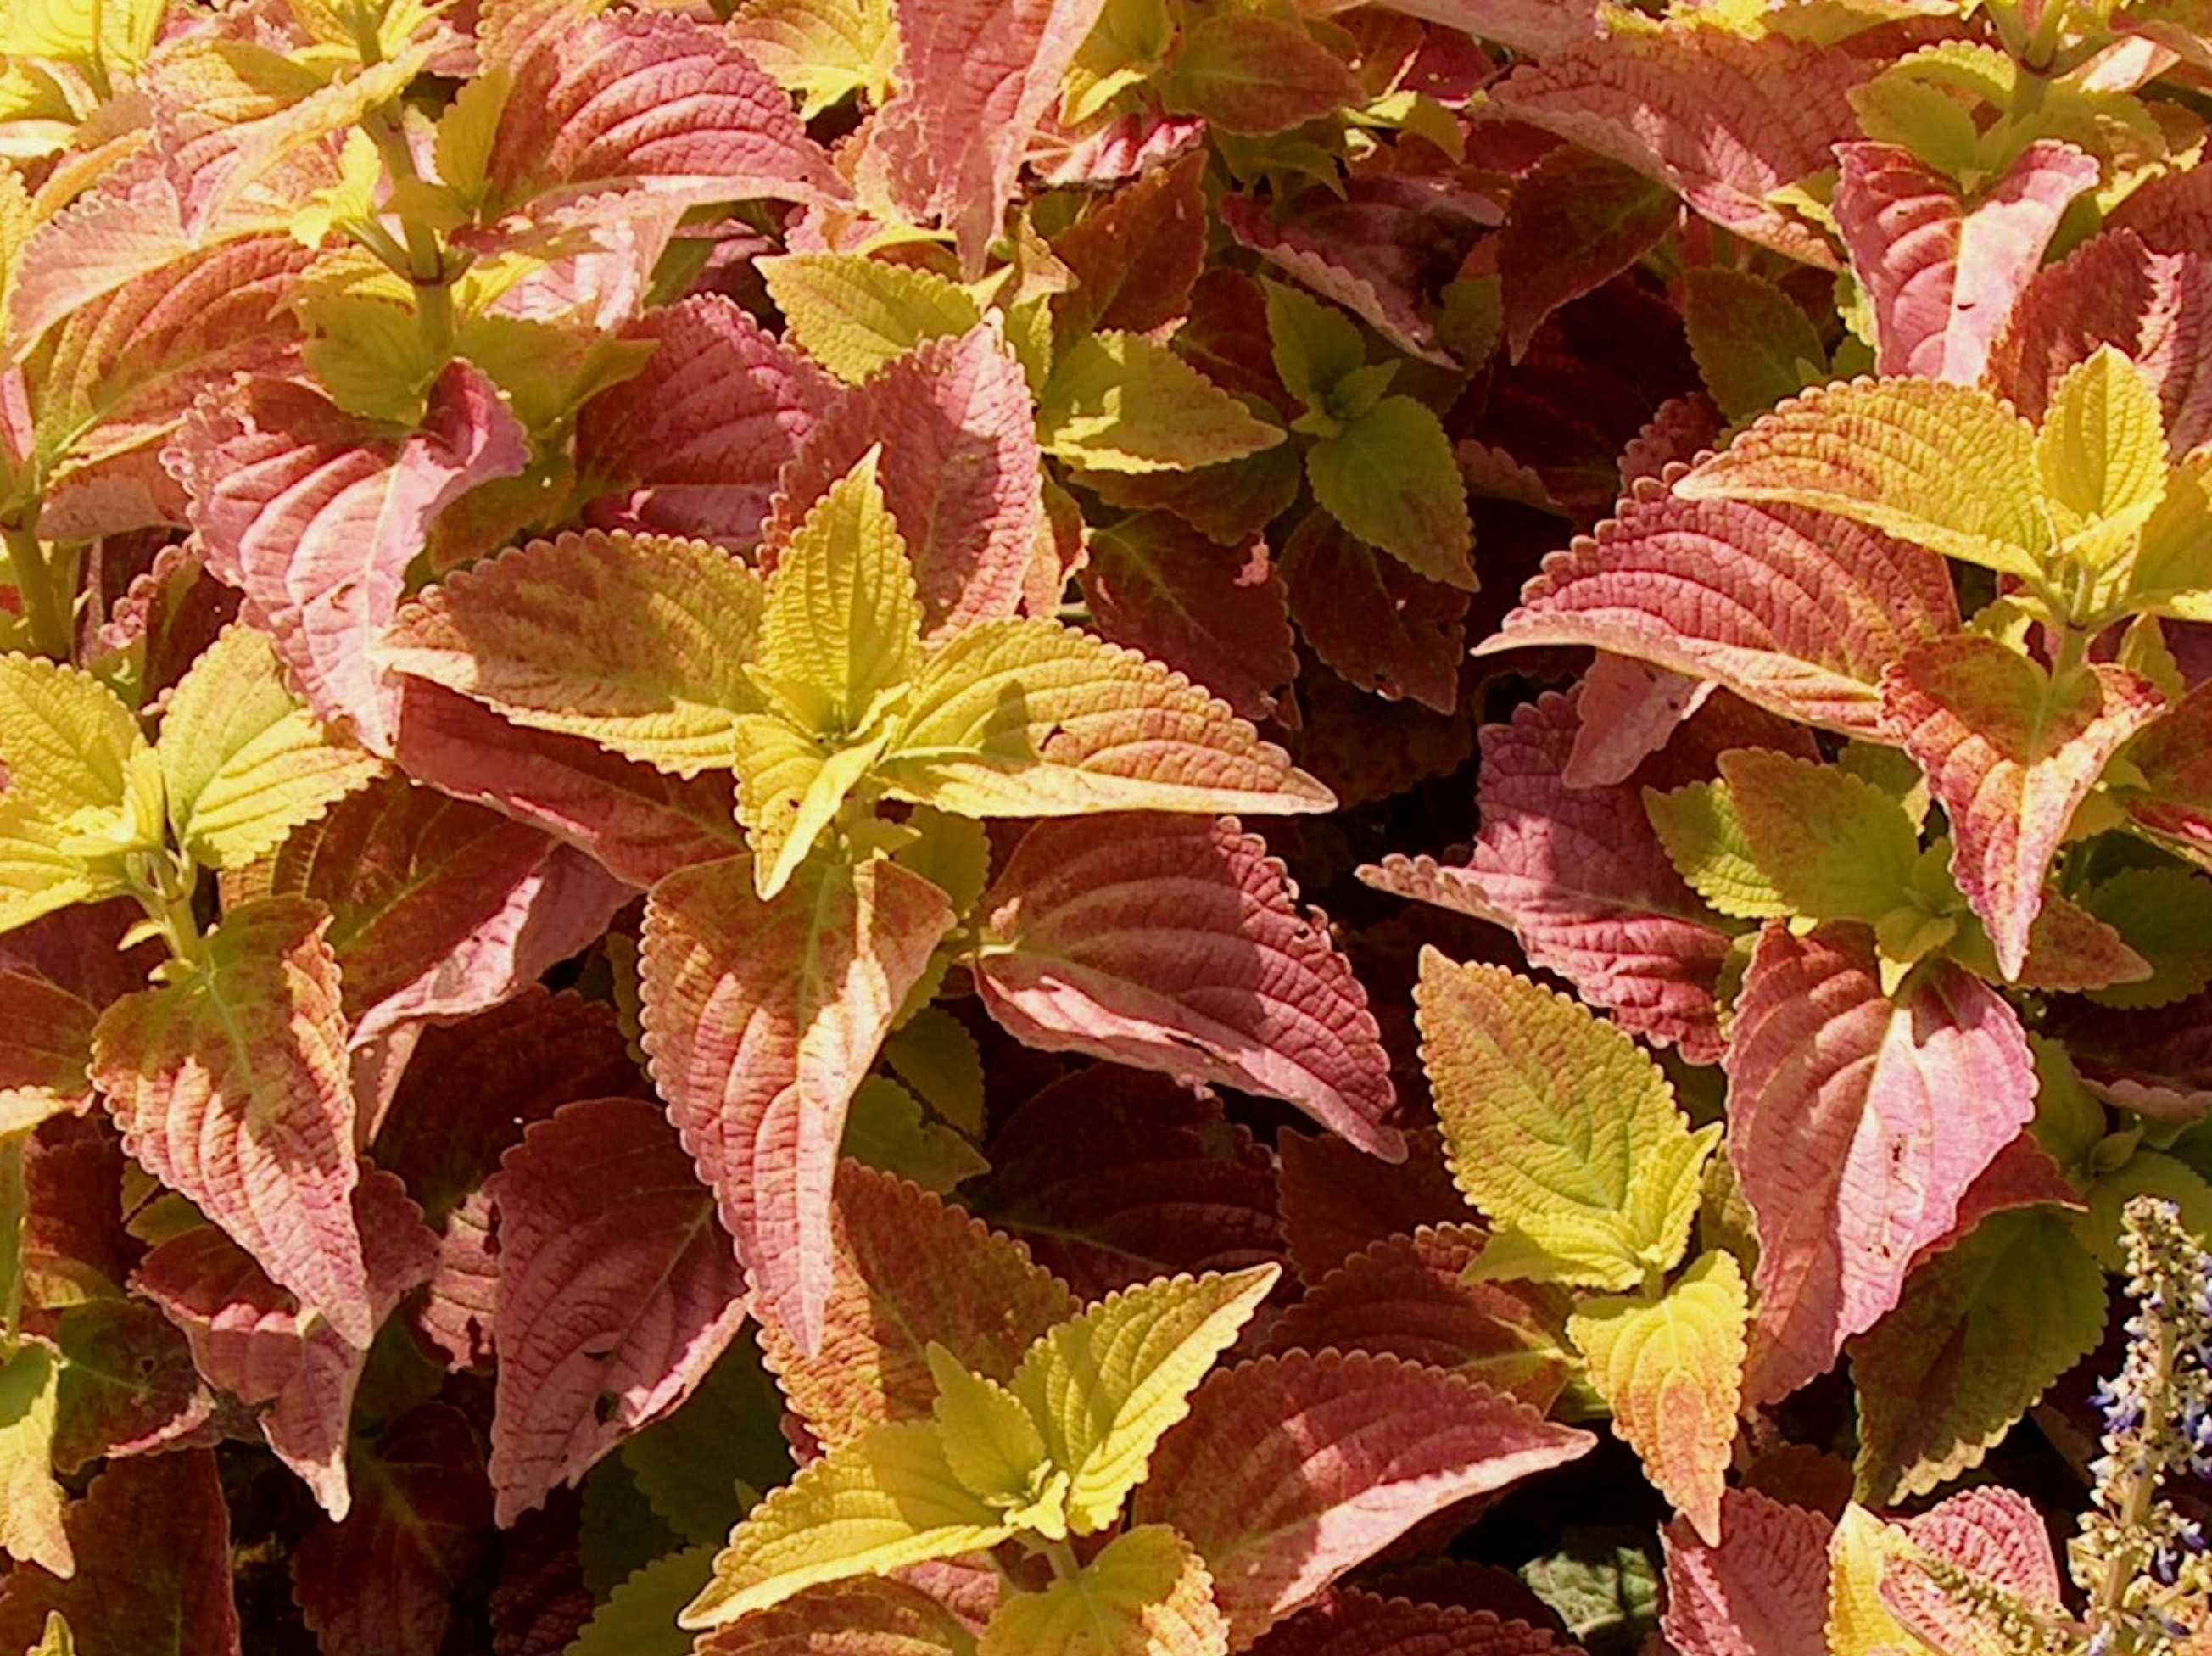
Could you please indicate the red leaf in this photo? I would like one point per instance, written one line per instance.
(1943, 276)
(2009, 756)
(1723, 121)
(846, 1619)
(251, 1338)
(1576, 220)
(1372, 619)
(975, 76)
(1338, 1202)
(45, 1033)
(1356, 1623)
(540, 1601)
(639, 823)
(1136, 254)
(382, 1582)
(1178, 945)
(1996, 1536)
(1290, 1470)
(650, 104)
(1797, 612)
(315, 515)
(616, 1292)
(1762, 1591)
(2173, 801)
(1407, 1297)
(1857, 1126)
(958, 470)
(762, 1019)
(1218, 616)
(152, 1539)
(73, 1174)
(230, 1086)
(1534, 28)
(693, 445)
(2157, 1062)
(910, 1269)
(1114, 1177)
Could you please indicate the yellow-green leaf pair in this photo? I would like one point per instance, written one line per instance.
(1053, 1453)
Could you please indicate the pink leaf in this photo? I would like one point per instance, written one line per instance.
(846, 1619)
(315, 515)
(1797, 612)
(1943, 275)
(1372, 619)
(1762, 1591)
(1724, 122)
(638, 823)
(2172, 802)
(1997, 1536)
(251, 1338)
(230, 1086)
(1629, 710)
(1178, 945)
(382, 1582)
(958, 472)
(1534, 27)
(616, 1292)
(762, 1019)
(152, 1539)
(2009, 755)
(693, 445)
(1356, 1623)
(1857, 1126)
(1290, 1470)
(975, 76)
(1219, 616)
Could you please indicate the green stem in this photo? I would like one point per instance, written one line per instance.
(426, 256)
(166, 899)
(44, 606)
(14, 1203)
(1062, 1556)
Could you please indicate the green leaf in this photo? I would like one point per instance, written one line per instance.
(853, 314)
(1559, 1128)
(995, 1449)
(1130, 40)
(1603, 1584)
(243, 762)
(1106, 1385)
(1314, 345)
(1697, 824)
(885, 1128)
(1938, 464)
(115, 36)
(370, 354)
(1836, 848)
(57, 1640)
(2101, 458)
(1116, 402)
(1032, 719)
(639, 1619)
(1147, 1594)
(1253, 75)
(31, 1501)
(2165, 914)
(1671, 1370)
(2146, 1172)
(1753, 342)
(702, 1466)
(1389, 477)
(883, 1501)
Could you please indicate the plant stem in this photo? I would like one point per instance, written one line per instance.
(426, 258)
(44, 606)
(2139, 1492)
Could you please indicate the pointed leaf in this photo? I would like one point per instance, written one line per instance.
(1672, 1372)
(1559, 1128)
(909, 1271)
(823, 50)
(1253, 74)
(66, 739)
(1135, 255)
(2101, 453)
(30, 1499)
(1703, 830)
(1753, 343)
(885, 1501)
(316, 515)
(1857, 1126)
(1180, 946)
(1836, 848)
(230, 1086)
(159, 1524)
(1277, 1456)
(1116, 402)
(1981, 1332)
(854, 315)
(762, 1019)
(1934, 464)
(1794, 613)
(1761, 1591)
(693, 445)
(958, 470)
(244, 763)
(1029, 718)
(1146, 1594)
(639, 1617)
(1576, 220)
(1389, 477)
(861, 1617)
(616, 1292)
(1994, 1534)
(1105, 1386)
(990, 1442)
(2010, 754)
(1371, 618)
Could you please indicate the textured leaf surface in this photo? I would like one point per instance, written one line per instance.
(1762, 1591)
(854, 315)
(231, 1087)
(1116, 402)
(1672, 1372)
(46, 1034)
(1147, 1594)
(1353, 1623)
(1290, 1470)
(1943, 275)
(909, 1271)
(1028, 718)
(1857, 1124)
(846, 1618)
(1372, 619)
(315, 515)
(1179, 946)
(32, 1526)
(1836, 847)
(616, 1292)
(1995, 1533)
(159, 1524)
(1389, 477)
(128, 1385)
(762, 1019)
(2010, 754)
(1794, 613)
(1559, 1128)
(66, 739)
(1576, 220)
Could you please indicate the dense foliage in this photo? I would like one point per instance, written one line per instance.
(665, 673)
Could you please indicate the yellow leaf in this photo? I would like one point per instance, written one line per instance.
(1860, 1623)
(31, 1501)
(853, 314)
(1147, 1594)
(2101, 457)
